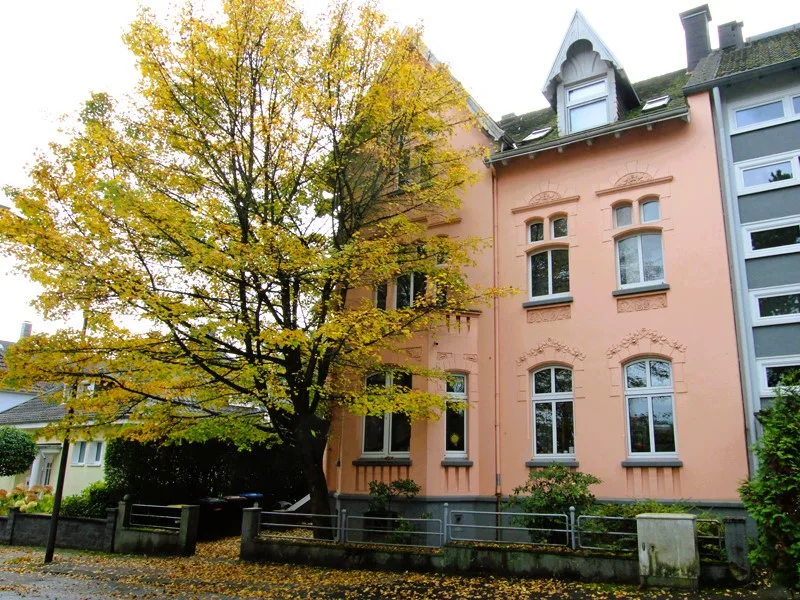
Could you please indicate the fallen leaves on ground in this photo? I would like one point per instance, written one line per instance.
(216, 572)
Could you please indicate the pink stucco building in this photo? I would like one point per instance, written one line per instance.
(619, 355)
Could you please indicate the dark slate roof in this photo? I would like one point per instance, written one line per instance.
(765, 51)
(35, 410)
(518, 127)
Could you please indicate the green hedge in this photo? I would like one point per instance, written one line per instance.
(773, 496)
(91, 503)
(172, 474)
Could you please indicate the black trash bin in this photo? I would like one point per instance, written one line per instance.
(213, 512)
(233, 516)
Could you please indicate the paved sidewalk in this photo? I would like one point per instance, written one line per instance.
(216, 573)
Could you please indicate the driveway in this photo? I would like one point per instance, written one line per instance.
(215, 573)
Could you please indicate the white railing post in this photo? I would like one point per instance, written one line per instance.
(572, 525)
(445, 524)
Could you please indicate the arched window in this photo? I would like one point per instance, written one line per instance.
(535, 231)
(388, 434)
(649, 404)
(623, 215)
(455, 422)
(553, 421)
(650, 211)
(559, 228)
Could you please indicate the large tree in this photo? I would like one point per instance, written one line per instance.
(213, 227)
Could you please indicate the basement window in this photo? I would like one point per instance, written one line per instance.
(656, 103)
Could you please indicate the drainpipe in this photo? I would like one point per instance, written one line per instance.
(498, 489)
(743, 332)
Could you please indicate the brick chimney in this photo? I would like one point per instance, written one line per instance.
(26, 329)
(730, 35)
(695, 26)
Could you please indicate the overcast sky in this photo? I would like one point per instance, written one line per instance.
(54, 52)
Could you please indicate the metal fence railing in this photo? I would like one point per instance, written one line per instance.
(394, 531)
(606, 533)
(299, 526)
(510, 528)
(586, 532)
(155, 516)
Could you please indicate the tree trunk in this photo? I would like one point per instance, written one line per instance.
(311, 434)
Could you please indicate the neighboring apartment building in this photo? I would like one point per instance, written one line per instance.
(754, 88)
(619, 357)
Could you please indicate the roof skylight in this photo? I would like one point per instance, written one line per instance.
(538, 134)
(655, 103)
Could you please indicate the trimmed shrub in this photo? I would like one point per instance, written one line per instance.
(17, 451)
(91, 503)
(552, 490)
(773, 497)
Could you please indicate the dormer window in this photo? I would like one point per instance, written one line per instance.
(587, 105)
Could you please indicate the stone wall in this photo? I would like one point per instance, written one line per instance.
(21, 529)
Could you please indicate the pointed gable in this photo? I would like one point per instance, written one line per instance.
(581, 36)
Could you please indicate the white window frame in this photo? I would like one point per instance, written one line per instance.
(756, 226)
(95, 447)
(79, 451)
(410, 274)
(569, 106)
(649, 392)
(656, 102)
(774, 361)
(387, 430)
(461, 399)
(550, 295)
(770, 292)
(642, 204)
(614, 214)
(552, 398)
(785, 97)
(553, 220)
(764, 161)
(537, 134)
(528, 227)
(642, 282)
